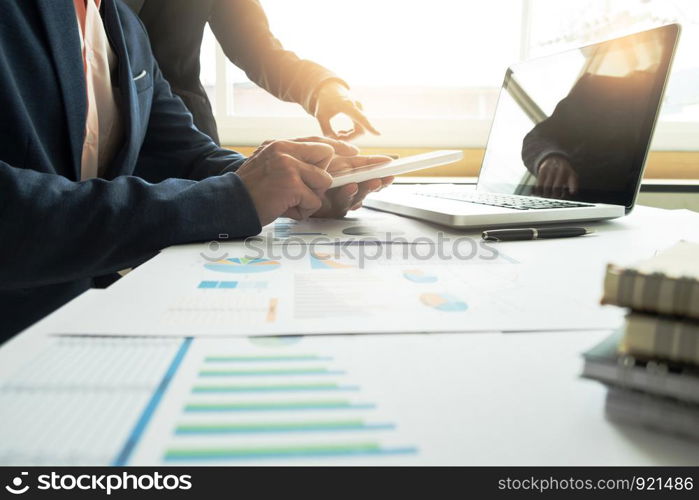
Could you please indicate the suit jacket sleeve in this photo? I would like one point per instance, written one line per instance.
(568, 132)
(71, 230)
(547, 138)
(242, 29)
(173, 146)
(539, 144)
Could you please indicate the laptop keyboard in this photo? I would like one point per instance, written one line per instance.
(506, 200)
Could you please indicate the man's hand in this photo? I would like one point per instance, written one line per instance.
(337, 202)
(289, 177)
(556, 178)
(334, 99)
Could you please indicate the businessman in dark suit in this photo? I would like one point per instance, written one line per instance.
(176, 28)
(592, 156)
(101, 166)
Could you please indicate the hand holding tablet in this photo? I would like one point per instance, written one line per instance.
(394, 167)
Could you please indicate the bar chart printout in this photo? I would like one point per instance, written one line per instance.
(267, 400)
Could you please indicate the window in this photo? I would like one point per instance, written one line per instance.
(428, 73)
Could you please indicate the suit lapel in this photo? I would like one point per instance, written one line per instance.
(64, 42)
(136, 5)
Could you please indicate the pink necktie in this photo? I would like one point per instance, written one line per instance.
(102, 127)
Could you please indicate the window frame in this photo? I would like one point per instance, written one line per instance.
(405, 132)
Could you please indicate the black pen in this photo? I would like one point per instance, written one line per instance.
(533, 233)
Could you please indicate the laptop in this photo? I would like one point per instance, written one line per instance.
(568, 141)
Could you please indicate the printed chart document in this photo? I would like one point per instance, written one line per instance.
(439, 399)
(375, 288)
(274, 401)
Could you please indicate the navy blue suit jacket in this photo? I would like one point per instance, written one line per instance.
(168, 184)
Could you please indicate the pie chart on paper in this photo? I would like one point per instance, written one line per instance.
(443, 302)
(243, 266)
(419, 276)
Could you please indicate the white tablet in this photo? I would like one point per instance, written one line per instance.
(394, 167)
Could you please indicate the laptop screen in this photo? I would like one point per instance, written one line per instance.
(577, 125)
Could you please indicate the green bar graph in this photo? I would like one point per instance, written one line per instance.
(278, 406)
(233, 415)
(269, 372)
(262, 452)
(281, 427)
(267, 388)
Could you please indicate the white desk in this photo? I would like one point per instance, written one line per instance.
(497, 399)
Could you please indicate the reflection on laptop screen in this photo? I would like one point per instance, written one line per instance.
(577, 125)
